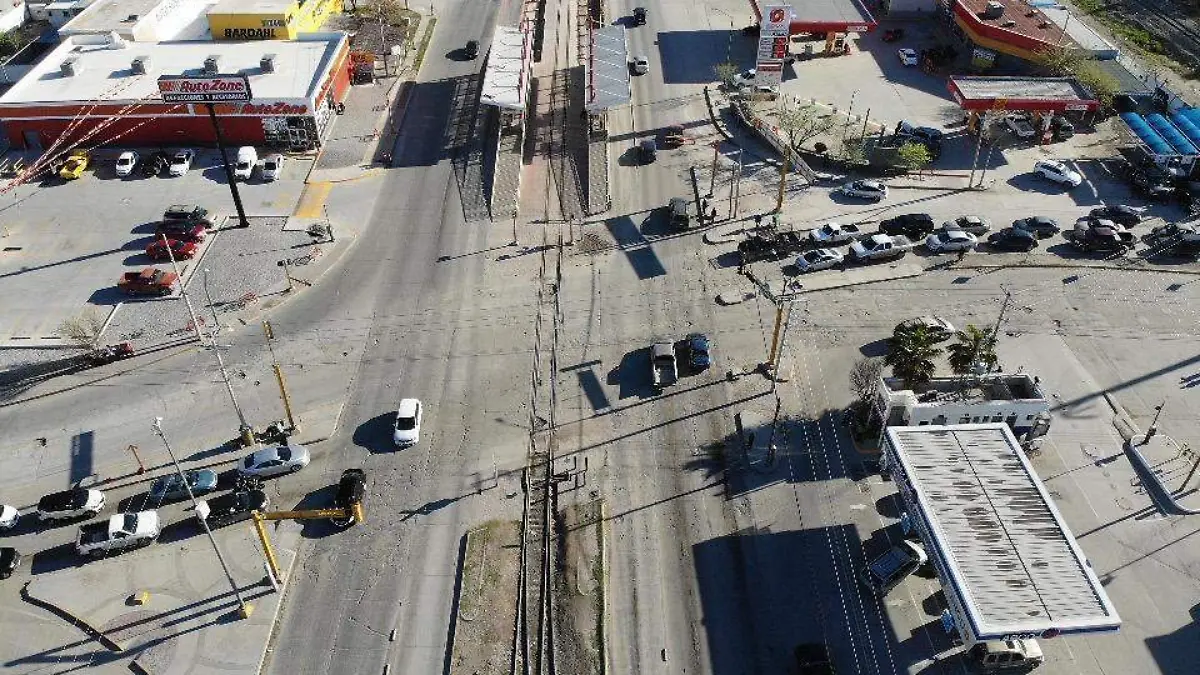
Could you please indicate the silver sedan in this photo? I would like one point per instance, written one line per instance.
(818, 259)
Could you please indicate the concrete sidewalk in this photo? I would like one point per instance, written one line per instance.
(1175, 466)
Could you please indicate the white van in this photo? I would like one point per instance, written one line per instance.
(247, 157)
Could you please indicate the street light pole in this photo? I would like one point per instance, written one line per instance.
(245, 609)
(212, 308)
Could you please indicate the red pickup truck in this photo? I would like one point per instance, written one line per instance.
(150, 281)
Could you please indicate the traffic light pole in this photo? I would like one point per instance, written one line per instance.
(237, 198)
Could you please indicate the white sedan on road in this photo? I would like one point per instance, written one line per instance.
(407, 430)
(908, 57)
(946, 241)
(1058, 172)
(818, 259)
(275, 461)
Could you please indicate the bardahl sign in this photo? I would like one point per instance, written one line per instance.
(204, 88)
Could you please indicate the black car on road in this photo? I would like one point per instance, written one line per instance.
(350, 492)
(911, 225)
(1040, 226)
(1012, 239)
(639, 16)
(471, 51)
(233, 507)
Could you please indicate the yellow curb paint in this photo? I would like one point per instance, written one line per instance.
(312, 202)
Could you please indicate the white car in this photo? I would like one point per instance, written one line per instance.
(9, 515)
(181, 162)
(272, 167)
(275, 461)
(950, 240)
(865, 189)
(745, 78)
(818, 259)
(908, 56)
(247, 158)
(1019, 125)
(640, 65)
(834, 233)
(1058, 172)
(126, 163)
(408, 423)
(68, 504)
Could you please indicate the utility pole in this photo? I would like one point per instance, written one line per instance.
(245, 609)
(244, 430)
(980, 128)
(783, 167)
(514, 217)
(712, 183)
(283, 392)
(1154, 423)
(1003, 309)
(212, 308)
(780, 341)
(237, 198)
(737, 201)
(732, 180)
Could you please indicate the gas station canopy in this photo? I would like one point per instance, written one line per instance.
(826, 16)
(607, 70)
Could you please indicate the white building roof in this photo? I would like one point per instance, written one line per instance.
(506, 79)
(251, 6)
(103, 73)
(171, 17)
(608, 70)
(1012, 563)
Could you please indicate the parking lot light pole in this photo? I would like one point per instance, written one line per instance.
(237, 198)
(211, 307)
(245, 609)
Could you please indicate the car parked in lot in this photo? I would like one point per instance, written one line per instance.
(10, 559)
(1057, 172)
(233, 507)
(75, 165)
(1020, 126)
(272, 167)
(818, 259)
(865, 189)
(639, 16)
(908, 57)
(150, 281)
(1039, 226)
(247, 159)
(68, 504)
(929, 135)
(274, 461)
(1097, 235)
(165, 250)
(171, 487)
(745, 78)
(189, 213)
(640, 65)
(940, 328)
(182, 230)
(1013, 239)
(407, 427)
(1150, 183)
(974, 224)
(126, 163)
(911, 225)
(9, 517)
(1120, 214)
(947, 241)
(471, 50)
(154, 165)
(119, 532)
(1174, 238)
(181, 162)
(698, 354)
(835, 233)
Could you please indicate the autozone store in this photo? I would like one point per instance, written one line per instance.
(95, 95)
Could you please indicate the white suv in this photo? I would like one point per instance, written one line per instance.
(70, 504)
(1057, 172)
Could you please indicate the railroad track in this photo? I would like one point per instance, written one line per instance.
(1181, 37)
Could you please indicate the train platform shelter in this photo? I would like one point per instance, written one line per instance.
(506, 79)
(1009, 566)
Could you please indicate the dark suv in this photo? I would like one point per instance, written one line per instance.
(639, 16)
(233, 507)
(911, 225)
(188, 213)
(471, 51)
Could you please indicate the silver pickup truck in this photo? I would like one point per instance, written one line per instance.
(879, 247)
(664, 370)
(119, 532)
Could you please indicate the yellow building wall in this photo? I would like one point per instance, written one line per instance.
(305, 17)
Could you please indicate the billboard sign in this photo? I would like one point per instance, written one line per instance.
(204, 88)
(773, 44)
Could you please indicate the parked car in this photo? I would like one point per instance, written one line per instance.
(1007, 655)
(181, 162)
(247, 159)
(155, 164)
(275, 461)
(1101, 236)
(1040, 226)
(10, 559)
(973, 224)
(1057, 172)
(1174, 238)
(908, 57)
(911, 225)
(939, 327)
(889, 569)
(745, 78)
(150, 281)
(9, 517)
(835, 233)
(879, 247)
(164, 250)
(74, 166)
(948, 241)
(119, 532)
(407, 428)
(272, 167)
(188, 213)
(126, 163)
(1020, 126)
(664, 371)
(1151, 184)
(640, 65)
(350, 492)
(233, 507)
(68, 504)
(931, 136)
(639, 16)
(680, 213)
(1061, 128)
(699, 357)
(865, 189)
(818, 259)
(647, 150)
(1013, 239)
(471, 50)
(181, 230)
(1120, 214)
(171, 487)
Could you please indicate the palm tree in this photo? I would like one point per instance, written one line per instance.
(911, 352)
(975, 348)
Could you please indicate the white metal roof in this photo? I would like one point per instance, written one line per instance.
(506, 79)
(104, 72)
(1012, 563)
(608, 70)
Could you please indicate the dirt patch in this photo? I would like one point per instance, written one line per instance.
(580, 603)
(487, 600)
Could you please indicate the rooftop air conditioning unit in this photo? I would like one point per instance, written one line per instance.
(70, 67)
(140, 65)
(267, 63)
(212, 65)
(1007, 23)
(994, 10)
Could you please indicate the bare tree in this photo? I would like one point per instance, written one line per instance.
(804, 123)
(864, 378)
(84, 330)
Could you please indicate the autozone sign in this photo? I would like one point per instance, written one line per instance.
(204, 89)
